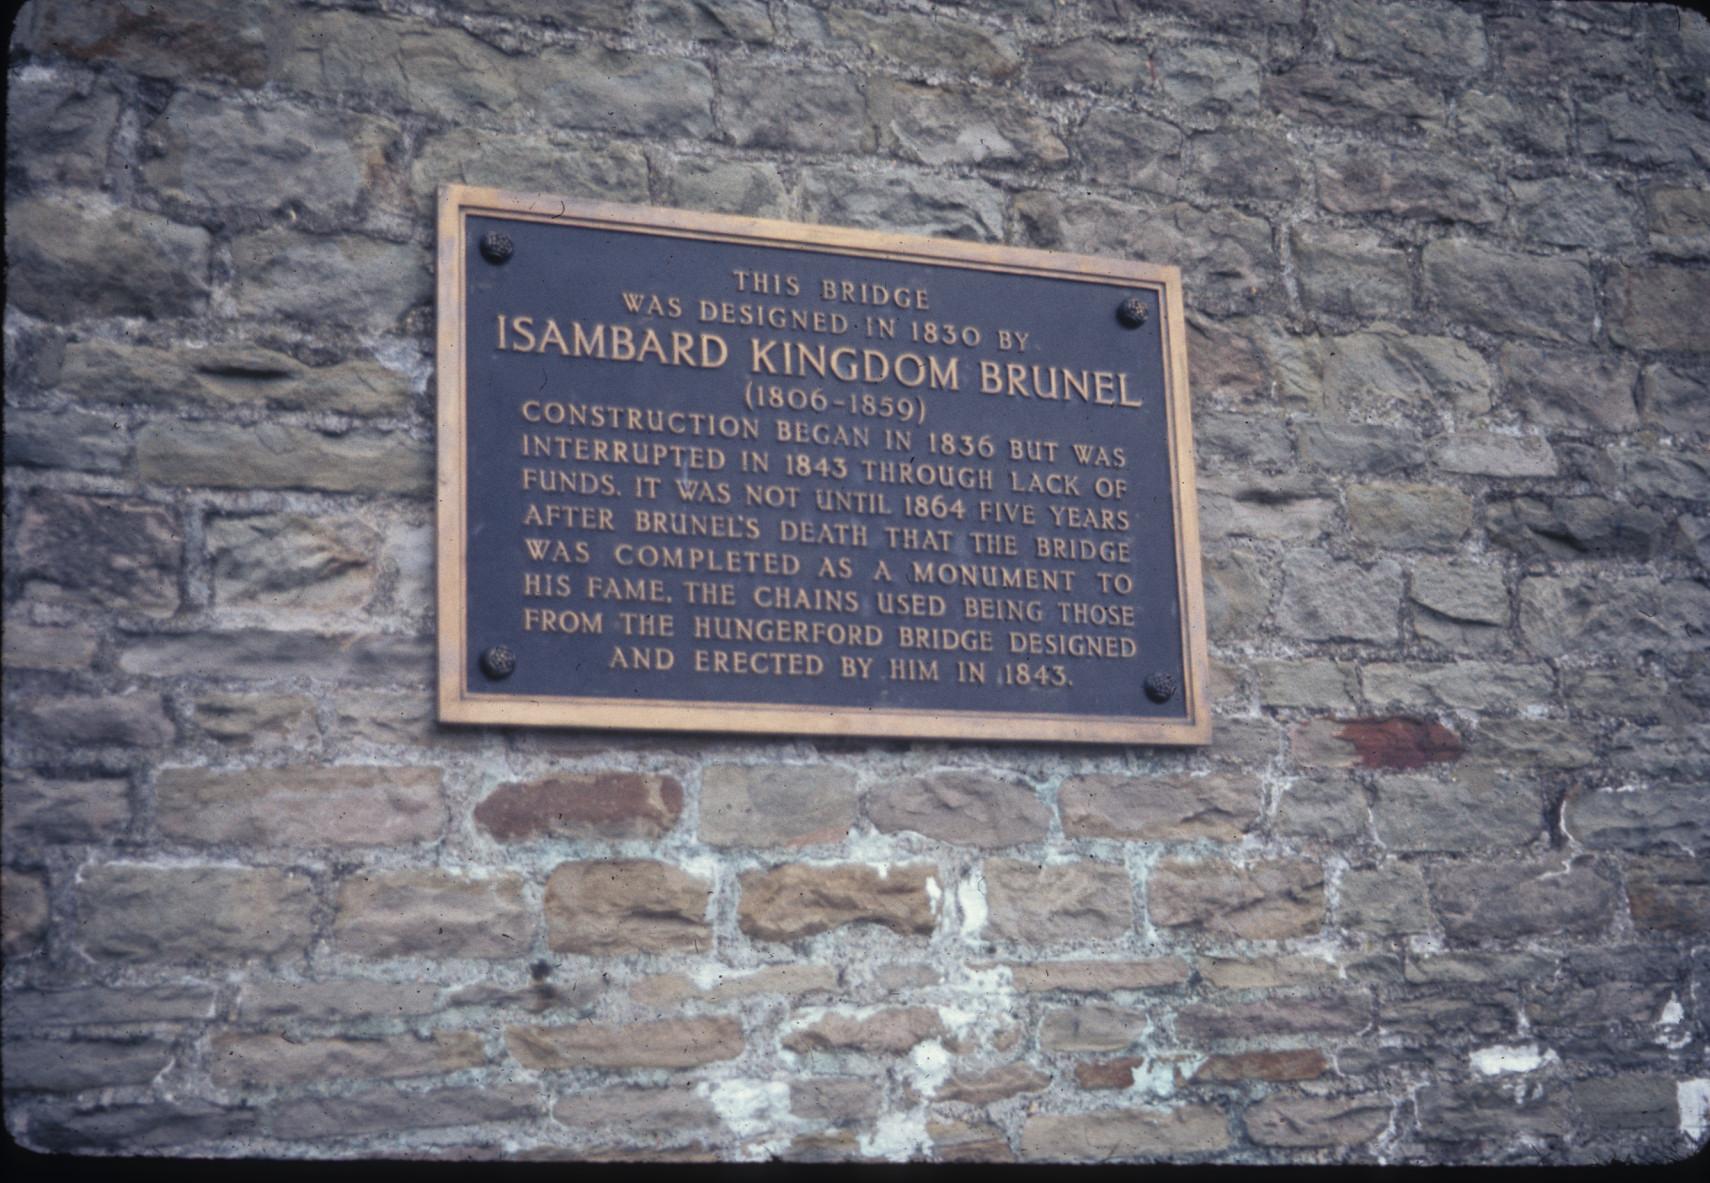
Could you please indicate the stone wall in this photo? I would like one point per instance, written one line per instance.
(1435, 893)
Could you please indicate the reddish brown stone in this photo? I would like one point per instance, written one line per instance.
(1670, 895)
(993, 1084)
(582, 805)
(1400, 743)
(1107, 1074)
(1296, 1064)
(889, 1032)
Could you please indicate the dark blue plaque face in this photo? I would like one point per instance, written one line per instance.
(715, 480)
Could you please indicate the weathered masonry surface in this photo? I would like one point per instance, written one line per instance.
(1436, 892)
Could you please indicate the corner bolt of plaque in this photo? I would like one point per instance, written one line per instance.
(1161, 687)
(499, 662)
(1131, 312)
(496, 247)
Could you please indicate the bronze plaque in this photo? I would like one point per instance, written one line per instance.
(709, 473)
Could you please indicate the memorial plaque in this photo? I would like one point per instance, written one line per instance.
(711, 473)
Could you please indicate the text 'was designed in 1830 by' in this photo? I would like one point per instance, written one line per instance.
(727, 475)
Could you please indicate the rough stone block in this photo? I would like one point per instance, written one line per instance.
(1435, 40)
(75, 441)
(59, 129)
(82, 720)
(1111, 1134)
(1246, 165)
(886, 1032)
(1407, 183)
(25, 911)
(43, 810)
(256, 720)
(1227, 257)
(333, 1000)
(610, 805)
(1635, 818)
(747, 21)
(1319, 1121)
(1505, 901)
(386, 1110)
(797, 900)
(1473, 684)
(797, 110)
(1205, 1023)
(776, 804)
(1645, 306)
(1327, 599)
(1677, 399)
(101, 1005)
(1091, 1028)
(1206, 77)
(228, 376)
(1629, 1102)
(1098, 977)
(1506, 292)
(617, 906)
(666, 1043)
(1054, 904)
(292, 561)
(1350, 273)
(933, 126)
(408, 913)
(914, 40)
(1092, 63)
(1220, 807)
(1637, 614)
(789, 980)
(965, 808)
(1575, 527)
(1572, 388)
(1494, 120)
(993, 1084)
(1285, 1065)
(72, 257)
(1387, 901)
(99, 552)
(69, 1066)
(1325, 809)
(1679, 221)
(1385, 364)
(633, 1116)
(1485, 453)
(1353, 96)
(1409, 517)
(1286, 508)
(343, 281)
(217, 155)
(1265, 900)
(1359, 447)
(312, 806)
(1642, 132)
(730, 187)
(1670, 895)
(1574, 212)
(281, 456)
(906, 201)
(1466, 1111)
(271, 1060)
(129, 912)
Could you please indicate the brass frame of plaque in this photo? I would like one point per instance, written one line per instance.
(458, 704)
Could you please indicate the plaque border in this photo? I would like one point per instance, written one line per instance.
(457, 705)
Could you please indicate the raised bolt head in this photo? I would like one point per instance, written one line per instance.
(497, 247)
(499, 662)
(1131, 312)
(1161, 687)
